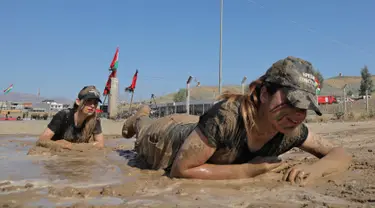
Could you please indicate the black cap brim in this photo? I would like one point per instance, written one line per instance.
(303, 100)
(90, 96)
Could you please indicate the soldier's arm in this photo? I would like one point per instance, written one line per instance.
(191, 159)
(332, 158)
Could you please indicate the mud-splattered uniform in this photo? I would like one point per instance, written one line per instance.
(158, 141)
(62, 124)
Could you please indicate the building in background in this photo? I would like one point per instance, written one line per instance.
(56, 106)
(53, 105)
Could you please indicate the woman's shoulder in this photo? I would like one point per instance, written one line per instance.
(64, 113)
(228, 106)
(223, 114)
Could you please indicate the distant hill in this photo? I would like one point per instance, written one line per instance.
(200, 93)
(25, 97)
(353, 82)
(331, 86)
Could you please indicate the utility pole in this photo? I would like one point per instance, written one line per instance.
(243, 84)
(188, 95)
(221, 47)
(367, 101)
(345, 99)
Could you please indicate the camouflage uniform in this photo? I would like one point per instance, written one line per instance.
(158, 141)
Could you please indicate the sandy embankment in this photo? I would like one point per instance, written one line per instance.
(35, 127)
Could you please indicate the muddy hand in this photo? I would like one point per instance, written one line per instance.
(281, 168)
(65, 144)
(98, 145)
(300, 175)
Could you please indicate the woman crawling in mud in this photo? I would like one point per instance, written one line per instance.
(241, 136)
(79, 124)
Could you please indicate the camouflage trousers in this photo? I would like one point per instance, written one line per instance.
(158, 140)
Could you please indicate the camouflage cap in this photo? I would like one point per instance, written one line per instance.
(89, 92)
(297, 77)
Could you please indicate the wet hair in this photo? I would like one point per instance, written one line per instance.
(250, 101)
(90, 122)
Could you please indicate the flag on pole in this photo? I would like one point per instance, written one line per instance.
(113, 67)
(131, 88)
(7, 90)
(114, 63)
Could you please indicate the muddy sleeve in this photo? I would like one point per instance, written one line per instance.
(299, 139)
(56, 121)
(219, 122)
(283, 143)
(98, 127)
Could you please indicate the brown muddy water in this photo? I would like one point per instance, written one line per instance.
(103, 178)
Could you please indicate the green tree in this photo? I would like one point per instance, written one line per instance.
(319, 76)
(180, 96)
(366, 82)
(349, 93)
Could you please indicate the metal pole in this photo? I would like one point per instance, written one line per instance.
(131, 102)
(188, 98)
(153, 98)
(188, 95)
(367, 101)
(243, 84)
(221, 47)
(345, 99)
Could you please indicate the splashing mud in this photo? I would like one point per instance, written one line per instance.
(87, 177)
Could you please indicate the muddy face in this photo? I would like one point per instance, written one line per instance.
(281, 114)
(89, 106)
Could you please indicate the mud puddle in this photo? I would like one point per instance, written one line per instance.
(44, 175)
(104, 179)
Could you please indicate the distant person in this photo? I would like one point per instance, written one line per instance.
(241, 136)
(79, 124)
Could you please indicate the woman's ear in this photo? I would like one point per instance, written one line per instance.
(264, 96)
(78, 101)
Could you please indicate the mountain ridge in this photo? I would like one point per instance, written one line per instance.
(331, 86)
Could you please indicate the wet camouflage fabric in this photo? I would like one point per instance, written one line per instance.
(159, 140)
(297, 77)
(224, 127)
(62, 124)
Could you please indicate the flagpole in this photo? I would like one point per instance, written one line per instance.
(131, 101)
(153, 98)
(105, 98)
(221, 47)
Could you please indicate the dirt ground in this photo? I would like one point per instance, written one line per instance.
(110, 128)
(104, 178)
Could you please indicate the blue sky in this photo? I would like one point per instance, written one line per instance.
(60, 46)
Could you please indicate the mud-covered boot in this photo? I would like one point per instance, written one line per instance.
(128, 129)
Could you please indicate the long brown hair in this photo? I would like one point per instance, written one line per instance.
(250, 101)
(90, 123)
